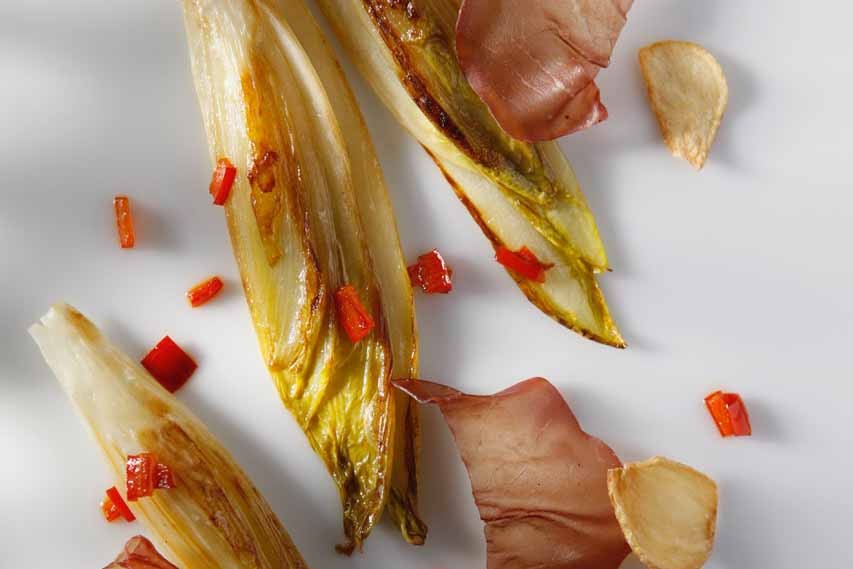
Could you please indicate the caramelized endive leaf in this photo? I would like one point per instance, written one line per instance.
(308, 214)
(214, 517)
(389, 264)
(518, 192)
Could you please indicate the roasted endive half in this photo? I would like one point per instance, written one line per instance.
(214, 517)
(308, 214)
(520, 194)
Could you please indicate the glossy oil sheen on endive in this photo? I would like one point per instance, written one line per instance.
(405, 51)
(214, 517)
(294, 216)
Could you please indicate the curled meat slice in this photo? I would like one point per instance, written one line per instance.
(539, 481)
(534, 63)
(139, 553)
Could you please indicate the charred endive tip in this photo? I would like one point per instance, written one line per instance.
(521, 194)
(214, 517)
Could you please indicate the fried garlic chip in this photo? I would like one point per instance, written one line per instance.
(688, 94)
(667, 510)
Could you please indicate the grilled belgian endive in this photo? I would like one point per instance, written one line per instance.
(214, 517)
(308, 214)
(520, 194)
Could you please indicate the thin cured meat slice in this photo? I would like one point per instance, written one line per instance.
(139, 553)
(534, 63)
(539, 481)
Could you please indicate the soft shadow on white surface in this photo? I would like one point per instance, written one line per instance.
(738, 526)
(153, 230)
(743, 94)
(448, 490)
(767, 425)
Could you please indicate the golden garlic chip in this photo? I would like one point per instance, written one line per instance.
(667, 510)
(688, 94)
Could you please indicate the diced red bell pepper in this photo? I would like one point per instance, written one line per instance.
(719, 411)
(431, 273)
(124, 222)
(204, 291)
(120, 504)
(169, 364)
(354, 318)
(164, 479)
(523, 262)
(109, 510)
(223, 179)
(738, 415)
(141, 472)
(729, 413)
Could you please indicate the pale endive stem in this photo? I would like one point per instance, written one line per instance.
(214, 517)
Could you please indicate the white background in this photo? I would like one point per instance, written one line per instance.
(737, 277)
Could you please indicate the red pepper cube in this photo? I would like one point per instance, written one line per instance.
(431, 273)
(124, 222)
(354, 318)
(223, 179)
(717, 407)
(163, 478)
(169, 364)
(141, 472)
(523, 262)
(738, 415)
(204, 291)
(729, 413)
(120, 504)
(109, 510)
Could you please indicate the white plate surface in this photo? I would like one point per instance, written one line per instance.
(737, 277)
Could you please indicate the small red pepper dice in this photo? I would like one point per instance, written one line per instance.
(223, 179)
(431, 273)
(169, 364)
(141, 472)
(115, 498)
(523, 262)
(738, 415)
(124, 222)
(352, 314)
(109, 510)
(729, 413)
(204, 291)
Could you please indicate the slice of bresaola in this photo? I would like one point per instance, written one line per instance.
(534, 63)
(539, 481)
(139, 553)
